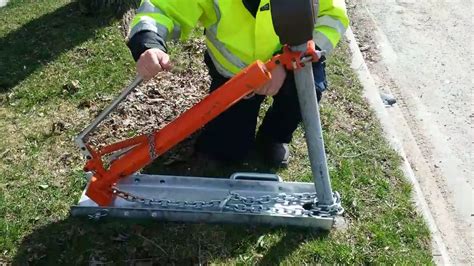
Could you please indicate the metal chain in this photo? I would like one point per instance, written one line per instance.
(290, 204)
(293, 204)
(166, 203)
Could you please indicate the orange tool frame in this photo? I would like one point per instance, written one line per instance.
(137, 152)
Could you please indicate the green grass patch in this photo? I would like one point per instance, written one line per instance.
(46, 46)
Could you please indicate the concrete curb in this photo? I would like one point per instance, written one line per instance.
(3, 3)
(372, 94)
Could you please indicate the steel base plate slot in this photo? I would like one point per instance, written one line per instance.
(213, 200)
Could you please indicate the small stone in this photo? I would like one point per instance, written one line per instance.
(388, 99)
(365, 48)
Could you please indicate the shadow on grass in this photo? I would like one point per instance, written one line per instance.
(43, 39)
(82, 241)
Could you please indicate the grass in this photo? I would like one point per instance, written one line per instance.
(45, 45)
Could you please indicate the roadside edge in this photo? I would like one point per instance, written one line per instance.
(372, 95)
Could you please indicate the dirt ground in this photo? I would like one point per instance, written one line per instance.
(157, 102)
(420, 51)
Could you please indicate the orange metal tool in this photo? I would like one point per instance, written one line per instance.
(137, 152)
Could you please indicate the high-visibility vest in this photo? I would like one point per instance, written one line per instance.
(234, 37)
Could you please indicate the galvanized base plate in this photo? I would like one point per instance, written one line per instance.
(265, 200)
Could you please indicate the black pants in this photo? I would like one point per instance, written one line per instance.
(232, 134)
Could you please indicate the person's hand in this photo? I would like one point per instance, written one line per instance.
(272, 87)
(151, 62)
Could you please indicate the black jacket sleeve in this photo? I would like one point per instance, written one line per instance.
(144, 40)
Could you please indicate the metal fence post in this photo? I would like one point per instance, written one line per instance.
(312, 126)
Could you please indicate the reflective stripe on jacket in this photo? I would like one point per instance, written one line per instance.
(234, 37)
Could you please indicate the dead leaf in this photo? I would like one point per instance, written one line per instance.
(71, 87)
(58, 127)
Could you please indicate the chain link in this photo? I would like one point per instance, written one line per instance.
(296, 204)
(163, 203)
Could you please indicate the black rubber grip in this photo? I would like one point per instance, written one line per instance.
(294, 20)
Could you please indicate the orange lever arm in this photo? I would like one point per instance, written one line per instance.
(145, 148)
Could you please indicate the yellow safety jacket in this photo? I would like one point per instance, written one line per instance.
(234, 37)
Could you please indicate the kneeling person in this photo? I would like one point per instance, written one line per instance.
(238, 32)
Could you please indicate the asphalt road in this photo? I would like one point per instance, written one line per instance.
(422, 53)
